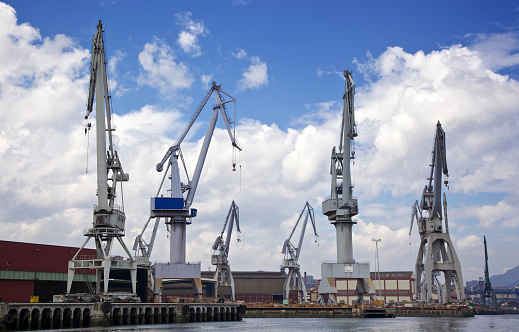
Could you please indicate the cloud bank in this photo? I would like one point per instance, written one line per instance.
(48, 197)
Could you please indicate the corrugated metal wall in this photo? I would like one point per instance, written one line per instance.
(24, 264)
(19, 256)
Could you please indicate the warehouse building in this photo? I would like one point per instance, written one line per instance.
(254, 286)
(38, 271)
(392, 287)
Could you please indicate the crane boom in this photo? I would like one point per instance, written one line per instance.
(436, 253)
(220, 105)
(415, 214)
(489, 296)
(176, 209)
(233, 216)
(109, 218)
(288, 244)
(221, 250)
(291, 253)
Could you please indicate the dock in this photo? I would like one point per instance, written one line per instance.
(36, 316)
(330, 311)
(318, 312)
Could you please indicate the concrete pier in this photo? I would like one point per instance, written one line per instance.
(356, 312)
(36, 316)
(318, 312)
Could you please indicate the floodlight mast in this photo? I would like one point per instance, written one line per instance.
(109, 219)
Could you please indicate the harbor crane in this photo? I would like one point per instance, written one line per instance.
(176, 209)
(488, 297)
(294, 282)
(436, 254)
(223, 273)
(342, 206)
(109, 218)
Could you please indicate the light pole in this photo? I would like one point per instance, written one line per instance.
(377, 267)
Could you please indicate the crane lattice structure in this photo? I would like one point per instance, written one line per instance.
(109, 218)
(436, 254)
(176, 209)
(223, 273)
(488, 297)
(294, 282)
(341, 207)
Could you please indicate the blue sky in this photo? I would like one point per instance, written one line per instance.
(413, 63)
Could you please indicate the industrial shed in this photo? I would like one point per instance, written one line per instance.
(30, 269)
(255, 286)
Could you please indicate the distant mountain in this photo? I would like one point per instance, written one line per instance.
(506, 279)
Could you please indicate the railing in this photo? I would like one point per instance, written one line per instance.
(114, 207)
(103, 230)
(187, 263)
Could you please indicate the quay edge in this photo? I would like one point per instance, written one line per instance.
(36, 316)
(356, 312)
(318, 312)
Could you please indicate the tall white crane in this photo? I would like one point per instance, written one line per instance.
(176, 209)
(294, 281)
(109, 218)
(223, 273)
(436, 254)
(341, 207)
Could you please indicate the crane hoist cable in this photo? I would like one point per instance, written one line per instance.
(87, 133)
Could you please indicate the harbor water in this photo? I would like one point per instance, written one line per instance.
(499, 323)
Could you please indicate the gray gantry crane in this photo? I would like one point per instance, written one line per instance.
(294, 282)
(176, 209)
(109, 218)
(341, 207)
(488, 297)
(223, 273)
(436, 254)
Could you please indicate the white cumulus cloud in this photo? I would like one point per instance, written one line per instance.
(255, 76)
(48, 198)
(160, 69)
(188, 37)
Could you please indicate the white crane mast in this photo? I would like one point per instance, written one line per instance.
(341, 207)
(109, 218)
(294, 280)
(436, 254)
(176, 209)
(223, 273)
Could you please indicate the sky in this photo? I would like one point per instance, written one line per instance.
(413, 63)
